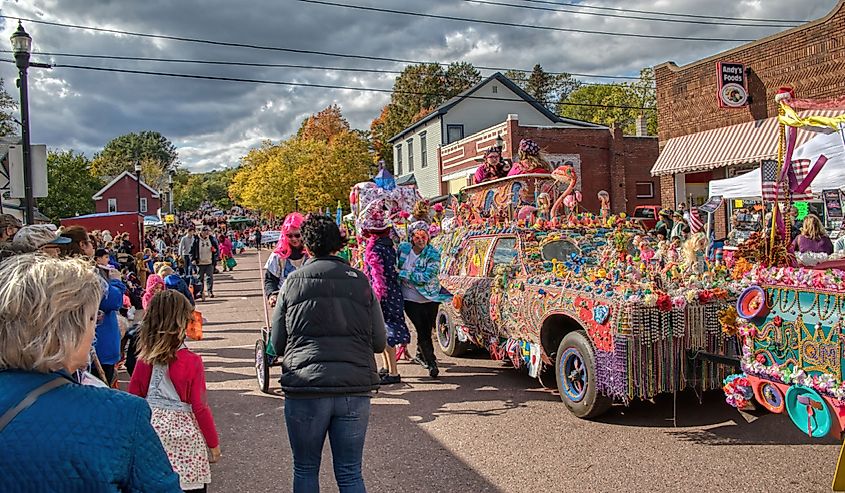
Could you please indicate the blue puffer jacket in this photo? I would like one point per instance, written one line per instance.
(79, 439)
(107, 343)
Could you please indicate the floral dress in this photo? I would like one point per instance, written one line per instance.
(380, 260)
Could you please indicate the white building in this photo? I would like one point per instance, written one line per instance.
(416, 149)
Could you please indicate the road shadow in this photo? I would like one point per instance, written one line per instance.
(399, 456)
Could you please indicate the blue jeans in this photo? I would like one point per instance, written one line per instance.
(345, 420)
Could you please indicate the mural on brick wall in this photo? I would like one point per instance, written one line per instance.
(574, 160)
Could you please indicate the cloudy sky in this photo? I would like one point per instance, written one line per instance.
(214, 123)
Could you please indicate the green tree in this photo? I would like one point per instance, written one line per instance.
(317, 169)
(70, 186)
(416, 92)
(615, 104)
(191, 190)
(543, 86)
(8, 126)
(156, 153)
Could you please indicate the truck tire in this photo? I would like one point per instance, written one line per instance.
(575, 366)
(447, 335)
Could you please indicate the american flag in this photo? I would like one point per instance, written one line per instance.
(695, 224)
(770, 175)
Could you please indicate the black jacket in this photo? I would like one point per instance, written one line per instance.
(215, 249)
(326, 327)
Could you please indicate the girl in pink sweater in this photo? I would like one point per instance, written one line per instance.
(172, 379)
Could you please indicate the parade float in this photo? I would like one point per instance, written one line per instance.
(585, 302)
(790, 317)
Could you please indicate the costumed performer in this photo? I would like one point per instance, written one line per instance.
(419, 266)
(380, 268)
(530, 160)
(288, 256)
(492, 167)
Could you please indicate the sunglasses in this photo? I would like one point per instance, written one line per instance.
(296, 235)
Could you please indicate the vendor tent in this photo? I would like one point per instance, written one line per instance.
(744, 186)
(831, 176)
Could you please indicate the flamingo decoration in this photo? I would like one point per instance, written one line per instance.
(565, 175)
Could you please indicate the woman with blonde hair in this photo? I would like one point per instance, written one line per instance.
(68, 437)
(530, 160)
(694, 250)
(813, 237)
(172, 379)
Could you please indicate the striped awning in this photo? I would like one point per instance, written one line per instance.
(748, 142)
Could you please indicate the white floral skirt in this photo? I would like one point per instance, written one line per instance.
(185, 446)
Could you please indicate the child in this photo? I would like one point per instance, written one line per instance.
(172, 379)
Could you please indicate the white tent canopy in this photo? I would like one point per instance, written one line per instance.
(832, 176)
(745, 186)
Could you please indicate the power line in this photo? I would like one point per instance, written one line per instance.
(523, 26)
(325, 86)
(652, 12)
(247, 64)
(286, 50)
(623, 16)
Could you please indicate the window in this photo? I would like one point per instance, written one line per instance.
(645, 190)
(505, 252)
(410, 143)
(423, 150)
(454, 133)
(112, 205)
(143, 204)
(560, 250)
(399, 160)
(495, 89)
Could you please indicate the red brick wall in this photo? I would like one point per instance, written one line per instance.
(126, 193)
(810, 58)
(609, 161)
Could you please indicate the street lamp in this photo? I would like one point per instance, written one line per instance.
(170, 192)
(22, 48)
(141, 219)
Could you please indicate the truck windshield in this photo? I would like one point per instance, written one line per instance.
(560, 250)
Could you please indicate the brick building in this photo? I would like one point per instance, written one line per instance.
(121, 195)
(702, 141)
(603, 158)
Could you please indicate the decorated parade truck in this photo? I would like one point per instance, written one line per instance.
(583, 301)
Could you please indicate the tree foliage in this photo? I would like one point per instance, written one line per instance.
(70, 186)
(192, 189)
(637, 94)
(316, 168)
(8, 126)
(546, 88)
(155, 152)
(416, 92)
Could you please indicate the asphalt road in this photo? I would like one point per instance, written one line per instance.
(483, 426)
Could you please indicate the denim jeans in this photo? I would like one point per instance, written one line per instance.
(345, 420)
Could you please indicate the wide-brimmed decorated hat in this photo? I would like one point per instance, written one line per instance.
(375, 218)
(529, 147)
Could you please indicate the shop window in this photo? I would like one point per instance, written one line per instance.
(454, 133)
(645, 189)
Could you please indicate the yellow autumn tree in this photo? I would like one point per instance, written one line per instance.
(318, 166)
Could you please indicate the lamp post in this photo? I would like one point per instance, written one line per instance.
(170, 192)
(22, 48)
(141, 219)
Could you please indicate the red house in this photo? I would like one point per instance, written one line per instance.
(121, 195)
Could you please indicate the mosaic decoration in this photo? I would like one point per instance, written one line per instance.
(640, 318)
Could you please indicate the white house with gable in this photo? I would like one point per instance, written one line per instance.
(416, 149)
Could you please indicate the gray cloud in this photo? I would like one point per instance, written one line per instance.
(215, 123)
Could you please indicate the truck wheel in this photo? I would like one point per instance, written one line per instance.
(576, 377)
(447, 335)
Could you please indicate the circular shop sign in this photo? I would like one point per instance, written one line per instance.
(733, 95)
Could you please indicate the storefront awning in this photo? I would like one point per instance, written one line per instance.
(748, 142)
